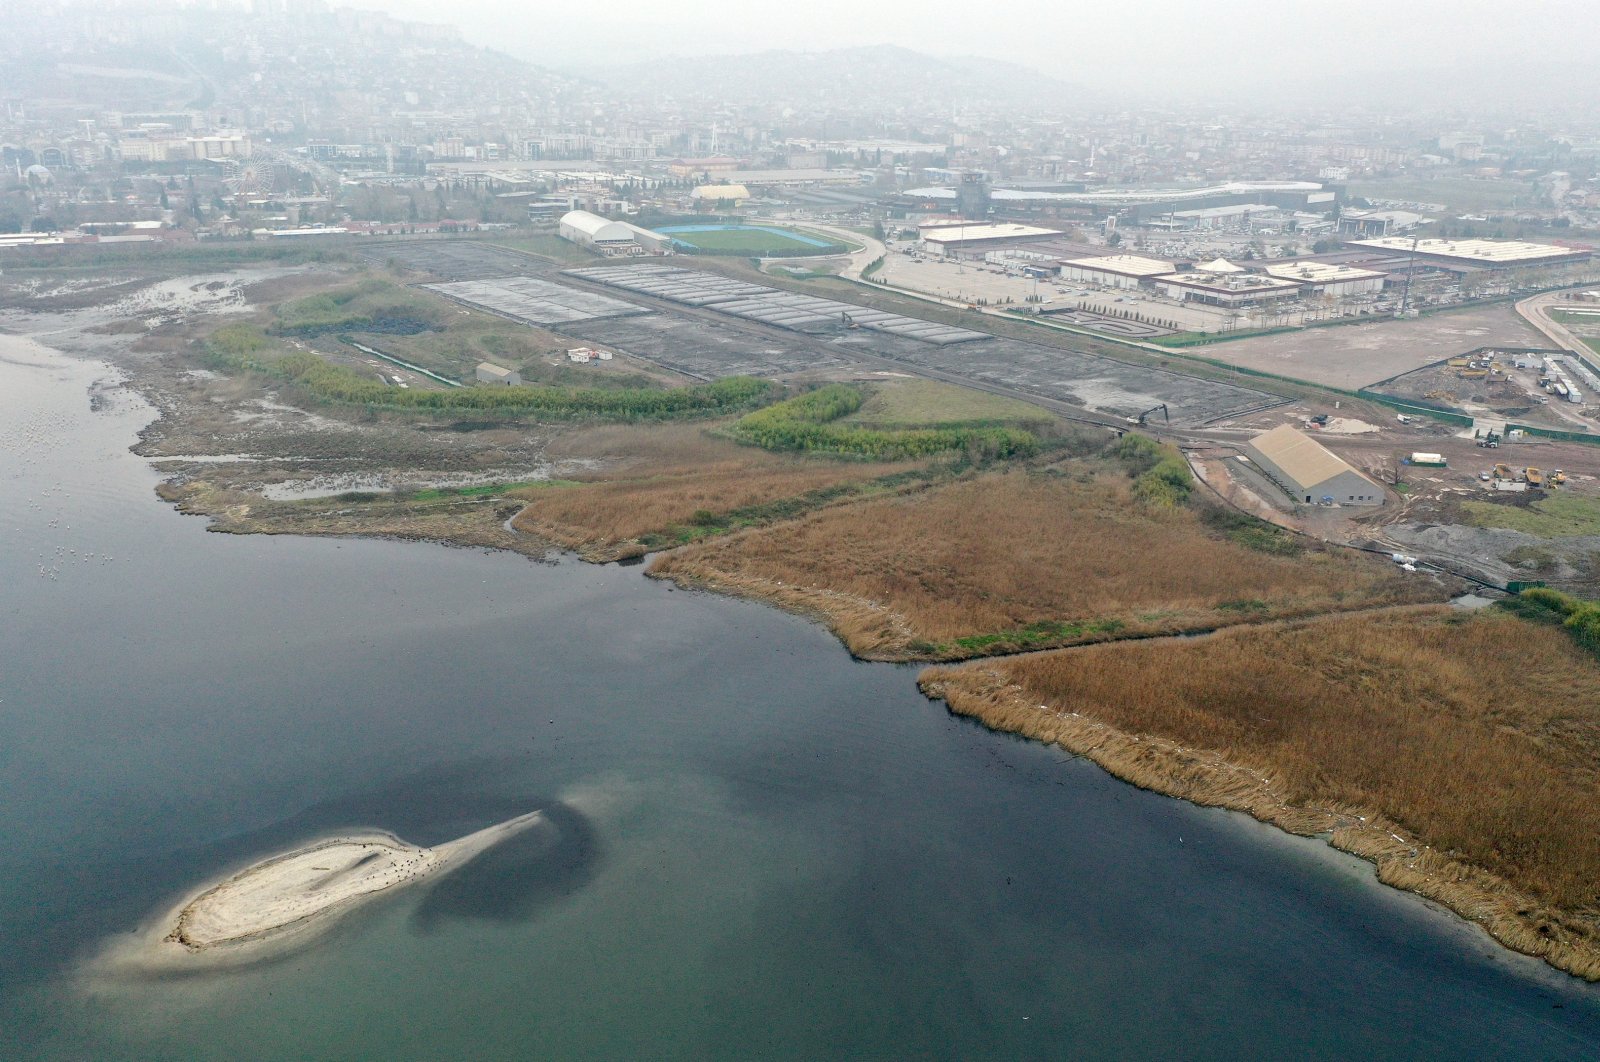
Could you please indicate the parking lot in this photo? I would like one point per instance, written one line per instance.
(1356, 355)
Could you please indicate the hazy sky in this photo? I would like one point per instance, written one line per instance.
(1162, 45)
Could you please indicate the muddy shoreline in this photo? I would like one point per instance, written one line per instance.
(1204, 777)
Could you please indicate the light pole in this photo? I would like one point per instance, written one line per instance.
(1411, 267)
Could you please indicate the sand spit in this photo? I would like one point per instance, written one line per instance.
(1520, 922)
(283, 901)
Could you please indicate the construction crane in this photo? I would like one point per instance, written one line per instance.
(1164, 416)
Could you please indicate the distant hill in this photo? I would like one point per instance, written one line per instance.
(882, 77)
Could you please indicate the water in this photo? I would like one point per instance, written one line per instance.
(758, 848)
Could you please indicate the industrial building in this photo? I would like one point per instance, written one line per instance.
(721, 194)
(974, 240)
(496, 376)
(1115, 270)
(1498, 255)
(1310, 472)
(610, 238)
(1225, 289)
(1329, 278)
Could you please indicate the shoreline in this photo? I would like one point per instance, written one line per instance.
(1511, 918)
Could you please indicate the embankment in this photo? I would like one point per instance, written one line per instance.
(1565, 934)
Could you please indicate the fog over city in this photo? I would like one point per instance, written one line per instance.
(1173, 51)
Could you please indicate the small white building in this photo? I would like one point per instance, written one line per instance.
(1115, 270)
(497, 376)
(1309, 471)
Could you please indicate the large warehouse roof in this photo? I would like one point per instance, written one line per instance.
(999, 231)
(1488, 252)
(1299, 456)
(1128, 195)
(1320, 272)
(721, 191)
(1130, 265)
(596, 227)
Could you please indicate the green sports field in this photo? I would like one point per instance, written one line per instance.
(763, 241)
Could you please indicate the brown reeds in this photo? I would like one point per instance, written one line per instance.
(945, 573)
(654, 478)
(1459, 754)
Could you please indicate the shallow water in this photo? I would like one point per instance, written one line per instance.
(756, 846)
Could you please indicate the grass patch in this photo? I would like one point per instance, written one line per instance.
(755, 242)
(1025, 559)
(1580, 618)
(550, 246)
(246, 347)
(807, 424)
(1445, 747)
(374, 305)
(1558, 516)
(929, 403)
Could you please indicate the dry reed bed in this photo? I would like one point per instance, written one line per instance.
(910, 577)
(658, 477)
(1459, 754)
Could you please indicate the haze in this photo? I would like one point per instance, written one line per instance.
(1163, 48)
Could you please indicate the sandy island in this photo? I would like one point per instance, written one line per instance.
(283, 900)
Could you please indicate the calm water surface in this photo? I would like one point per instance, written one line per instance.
(756, 847)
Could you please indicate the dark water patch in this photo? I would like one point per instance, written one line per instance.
(521, 876)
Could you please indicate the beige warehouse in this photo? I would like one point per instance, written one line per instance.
(1309, 471)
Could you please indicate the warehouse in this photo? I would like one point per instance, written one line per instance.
(1498, 255)
(1115, 270)
(721, 195)
(1310, 472)
(609, 237)
(1329, 278)
(490, 373)
(975, 239)
(1228, 290)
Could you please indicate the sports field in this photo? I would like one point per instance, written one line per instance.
(750, 239)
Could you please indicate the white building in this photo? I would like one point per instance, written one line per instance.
(1329, 278)
(598, 233)
(1225, 289)
(1115, 270)
(1310, 472)
(497, 376)
(976, 238)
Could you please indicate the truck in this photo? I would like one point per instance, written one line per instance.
(1503, 472)
(1535, 477)
(1428, 460)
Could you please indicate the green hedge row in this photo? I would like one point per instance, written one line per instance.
(804, 424)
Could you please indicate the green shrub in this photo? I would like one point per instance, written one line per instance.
(804, 424)
(241, 347)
